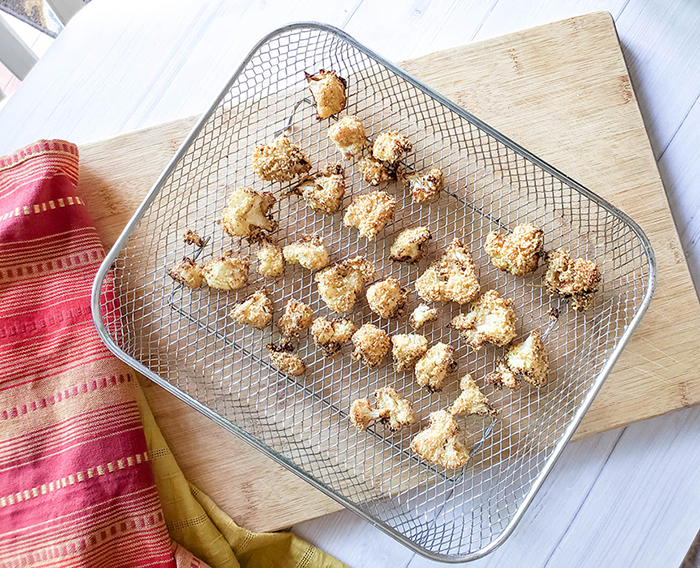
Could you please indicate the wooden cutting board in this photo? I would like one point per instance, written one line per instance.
(561, 90)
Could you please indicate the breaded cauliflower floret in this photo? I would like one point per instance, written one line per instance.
(192, 238)
(371, 345)
(450, 279)
(434, 366)
(332, 335)
(425, 186)
(285, 360)
(296, 319)
(328, 91)
(187, 272)
(390, 147)
(517, 253)
(310, 252)
(387, 298)
(577, 279)
(525, 361)
(408, 245)
(348, 135)
(270, 258)
(227, 272)
(279, 160)
(422, 315)
(256, 310)
(375, 171)
(324, 192)
(471, 400)
(339, 285)
(441, 442)
(247, 212)
(407, 349)
(491, 319)
(390, 408)
(369, 213)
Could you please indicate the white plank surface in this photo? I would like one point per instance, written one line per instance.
(625, 498)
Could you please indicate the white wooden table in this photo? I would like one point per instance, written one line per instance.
(629, 497)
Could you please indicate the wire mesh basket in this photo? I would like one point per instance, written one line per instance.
(183, 340)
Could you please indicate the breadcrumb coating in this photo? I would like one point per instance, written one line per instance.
(339, 285)
(387, 298)
(371, 345)
(390, 147)
(441, 443)
(577, 279)
(296, 319)
(422, 315)
(434, 366)
(491, 319)
(390, 409)
(279, 160)
(227, 272)
(270, 258)
(425, 187)
(375, 171)
(256, 310)
(187, 272)
(407, 349)
(310, 252)
(369, 213)
(471, 400)
(192, 238)
(526, 361)
(332, 335)
(285, 360)
(328, 91)
(324, 192)
(248, 212)
(450, 279)
(518, 253)
(348, 135)
(409, 244)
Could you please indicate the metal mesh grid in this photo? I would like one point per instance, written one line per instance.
(186, 341)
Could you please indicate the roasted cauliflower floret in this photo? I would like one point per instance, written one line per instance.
(526, 361)
(256, 310)
(310, 252)
(279, 160)
(408, 245)
(369, 213)
(332, 335)
(577, 279)
(434, 366)
(348, 135)
(517, 253)
(407, 349)
(450, 279)
(422, 315)
(270, 258)
(441, 443)
(375, 171)
(339, 285)
(328, 91)
(227, 272)
(192, 238)
(187, 272)
(324, 192)
(296, 319)
(491, 319)
(247, 212)
(425, 186)
(390, 147)
(390, 409)
(471, 400)
(387, 298)
(284, 359)
(371, 345)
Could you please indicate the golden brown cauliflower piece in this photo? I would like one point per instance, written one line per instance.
(230, 272)
(450, 279)
(339, 285)
(296, 319)
(390, 409)
(348, 135)
(407, 349)
(332, 335)
(434, 366)
(471, 400)
(324, 192)
(375, 171)
(328, 91)
(256, 310)
(192, 238)
(390, 147)
(408, 245)
(422, 315)
(187, 272)
(425, 186)
(369, 213)
(527, 361)
(441, 442)
(270, 257)
(387, 298)
(310, 252)
(577, 279)
(279, 160)
(517, 253)
(284, 359)
(371, 345)
(247, 212)
(491, 319)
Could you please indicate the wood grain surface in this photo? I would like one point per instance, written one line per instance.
(561, 90)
